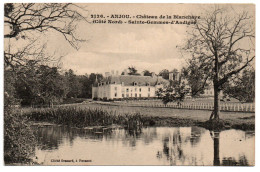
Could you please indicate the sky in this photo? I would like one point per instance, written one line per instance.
(116, 46)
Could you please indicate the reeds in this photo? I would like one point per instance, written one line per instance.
(83, 117)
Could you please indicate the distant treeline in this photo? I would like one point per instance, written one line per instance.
(34, 85)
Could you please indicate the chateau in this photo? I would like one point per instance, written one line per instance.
(115, 86)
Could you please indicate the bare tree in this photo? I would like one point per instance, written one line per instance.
(23, 20)
(222, 44)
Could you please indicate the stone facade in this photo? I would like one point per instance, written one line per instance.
(127, 86)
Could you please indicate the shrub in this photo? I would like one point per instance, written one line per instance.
(19, 141)
(80, 117)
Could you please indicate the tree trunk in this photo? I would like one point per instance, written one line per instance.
(216, 160)
(216, 111)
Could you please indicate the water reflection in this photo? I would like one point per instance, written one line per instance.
(149, 146)
(215, 136)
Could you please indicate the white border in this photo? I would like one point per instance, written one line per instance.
(131, 168)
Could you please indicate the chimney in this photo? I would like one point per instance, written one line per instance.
(125, 72)
(177, 76)
(171, 76)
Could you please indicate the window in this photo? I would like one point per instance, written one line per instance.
(127, 90)
(148, 94)
(115, 88)
(127, 95)
(123, 95)
(140, 95)
(135, 89)
(140, 89)
(115, 94)
(131, 95)
(135, 94)
(149, 89)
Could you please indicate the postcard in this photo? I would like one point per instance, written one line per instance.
(129, 84)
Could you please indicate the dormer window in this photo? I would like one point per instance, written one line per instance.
(135, 83)
(148, 84)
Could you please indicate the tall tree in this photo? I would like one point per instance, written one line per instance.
(39, 85)
(74, 86)
(222, 44)
(87, 83)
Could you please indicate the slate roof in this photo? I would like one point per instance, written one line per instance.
(129, 80)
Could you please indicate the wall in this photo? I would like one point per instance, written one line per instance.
(112, 91)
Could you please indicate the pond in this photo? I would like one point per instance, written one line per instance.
(59, 145)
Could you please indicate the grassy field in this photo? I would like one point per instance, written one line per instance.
(179, 116)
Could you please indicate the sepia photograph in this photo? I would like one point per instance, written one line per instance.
(129, 84)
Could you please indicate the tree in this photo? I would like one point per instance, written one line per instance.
(9, 89)
(147, 73)
(175, 92)
(74, 87)
(196, 77)
(164, 73)
(24, 21)
(159, 93)
(39, 85)
(132, 71)
(87, 83)
(51, 85)
(222, 45)
(242, 87)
